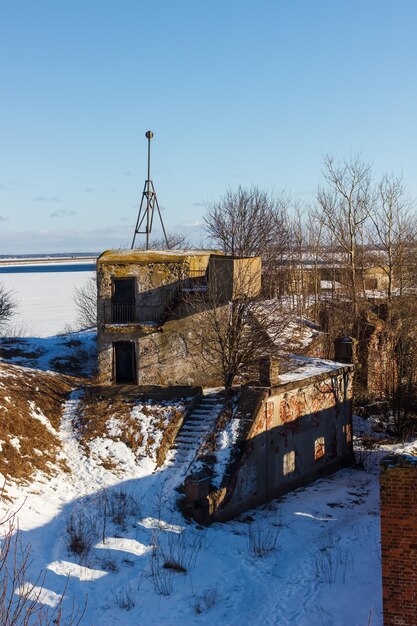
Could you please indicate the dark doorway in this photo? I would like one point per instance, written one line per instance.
(124, 362)
(123, 300)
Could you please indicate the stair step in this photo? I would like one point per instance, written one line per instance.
(199, 427)
(197, 420)
(181, 440)
(194, 429)
(208, 406)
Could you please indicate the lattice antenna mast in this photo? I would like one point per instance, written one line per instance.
(147, 204)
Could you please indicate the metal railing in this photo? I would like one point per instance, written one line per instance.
(133, 313)
(153, 313)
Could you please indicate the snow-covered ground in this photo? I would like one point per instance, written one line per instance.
(310, 559)
(45, 300)
(299, 560)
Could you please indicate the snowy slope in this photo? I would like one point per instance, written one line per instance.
(311, 558)
(299, 560)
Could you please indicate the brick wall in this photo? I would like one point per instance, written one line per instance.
(398, 483)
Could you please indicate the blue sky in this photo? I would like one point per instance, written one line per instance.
(236, 92)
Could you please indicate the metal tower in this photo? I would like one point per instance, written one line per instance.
(147, 204)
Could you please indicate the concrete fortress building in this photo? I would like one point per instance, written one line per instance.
(149, 304)
(294, 417)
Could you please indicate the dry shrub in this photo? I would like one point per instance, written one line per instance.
(124, 597)
(82, 534)
(262, 540)
(206, 600)
(181, 550)
(27, 443)
(14, 352)
(168, 436)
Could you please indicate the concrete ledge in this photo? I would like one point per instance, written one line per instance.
(154, 392)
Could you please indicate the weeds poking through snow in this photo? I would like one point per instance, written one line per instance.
(173, 552)
(121, 506)
(87, 524)
(117, 507)
(81, 534)
(124, 597)
(332, 559)
(109, 563)
(182, 549)
(21, 601)
(262, 539)
(161, 578)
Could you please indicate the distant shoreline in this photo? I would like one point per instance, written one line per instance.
(14, 261)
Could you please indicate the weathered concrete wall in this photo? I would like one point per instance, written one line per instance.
(398, 482)
(167, 355)
(291, 422)
(230, 278)
(163, 353)
(156, 274)
(297, 432)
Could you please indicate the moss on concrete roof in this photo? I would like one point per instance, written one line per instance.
(143, 257)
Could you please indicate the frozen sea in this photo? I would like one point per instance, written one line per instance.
(45, 295)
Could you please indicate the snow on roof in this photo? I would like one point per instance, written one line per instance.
(298, 367)
(287, 330)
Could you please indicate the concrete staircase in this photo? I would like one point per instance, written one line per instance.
(197, 426)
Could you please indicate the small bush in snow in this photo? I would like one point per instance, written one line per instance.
(116, 507)
(121, 506)
(332, 561)
(23, 602)
(181, 550)
(161, 578)
(124, 597)
(109, 564)
(81, 534)
(262, 539)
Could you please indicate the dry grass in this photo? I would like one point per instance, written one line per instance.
(168, 436)
(14, 352)
(27, 397)
(97, 412)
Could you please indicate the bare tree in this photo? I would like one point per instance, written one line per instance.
(313, 238)
(252, 222)
(8, 304)
(233, 327)
(85, 299)
(21, 601)
(176, 241)
(299, 273)
(393, 231)
(344, 205)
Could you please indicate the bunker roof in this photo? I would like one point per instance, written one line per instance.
(143, 257)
